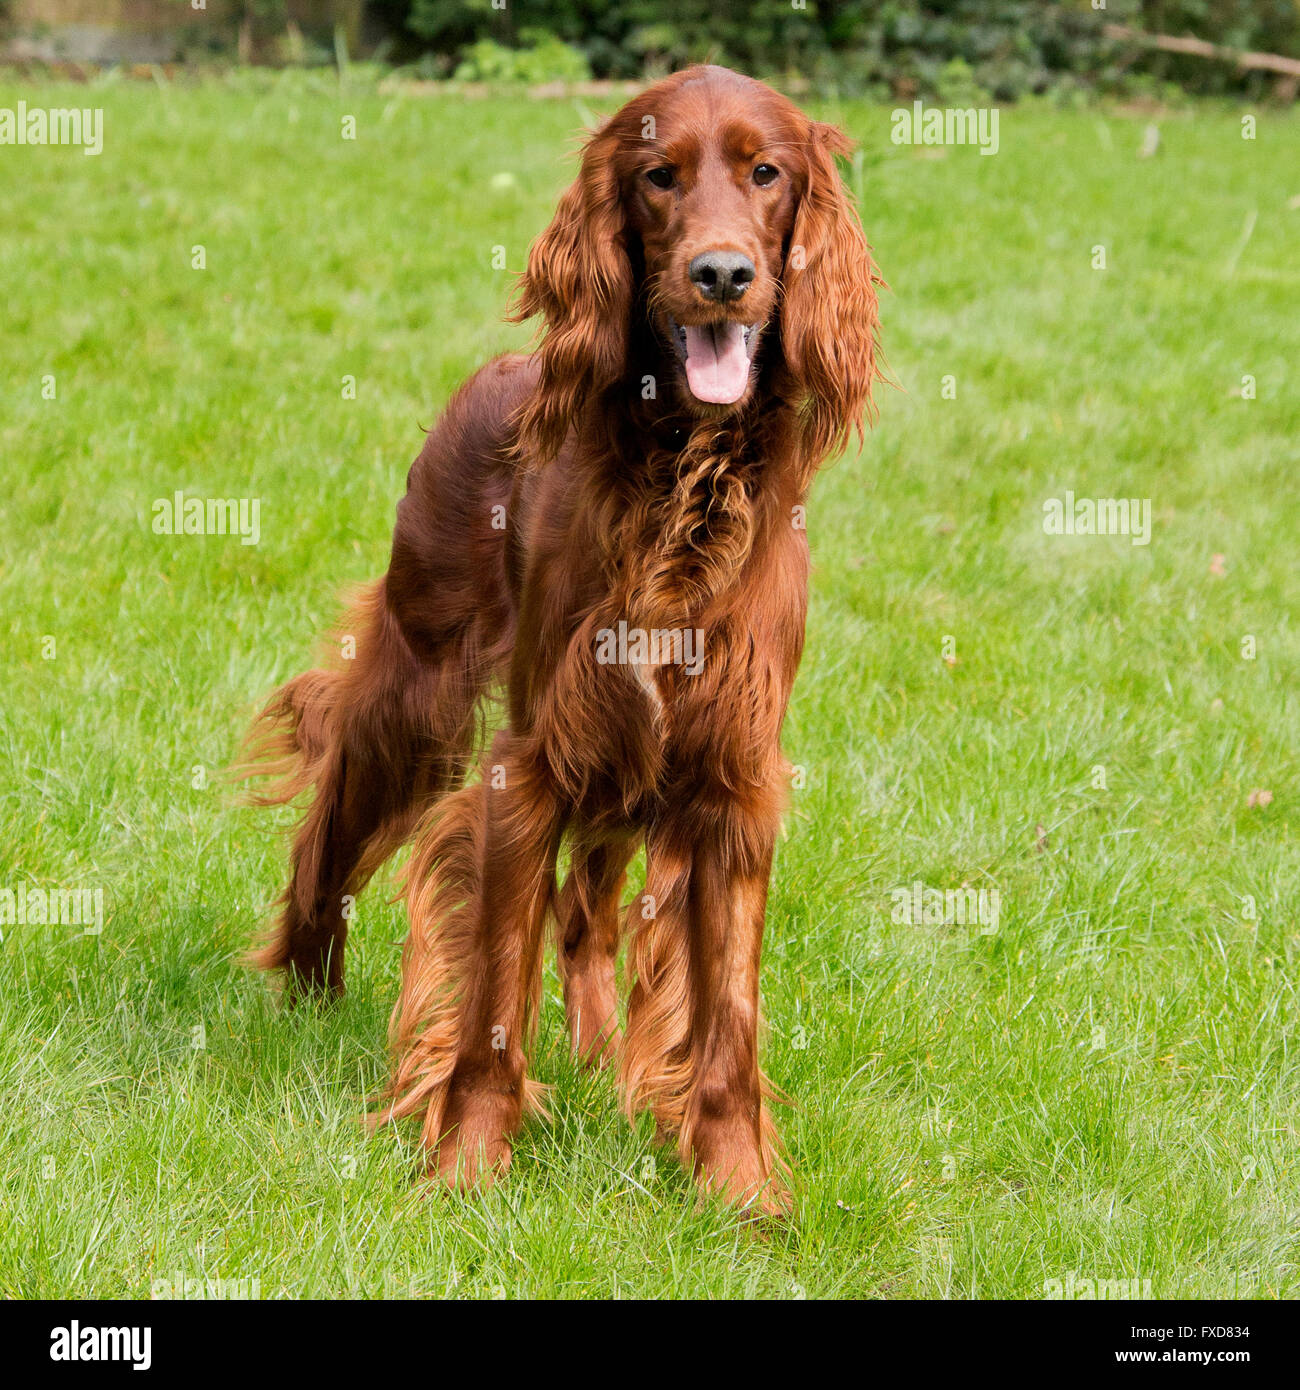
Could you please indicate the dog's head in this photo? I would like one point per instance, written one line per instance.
(708, 214)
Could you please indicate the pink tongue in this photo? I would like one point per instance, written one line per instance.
(717, 366)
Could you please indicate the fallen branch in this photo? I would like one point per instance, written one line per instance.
(1198, 48)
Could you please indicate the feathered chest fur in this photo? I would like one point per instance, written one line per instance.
(685, 529)
(684, 534)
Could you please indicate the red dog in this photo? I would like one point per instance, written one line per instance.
(609, 529)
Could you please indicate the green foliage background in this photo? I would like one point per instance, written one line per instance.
(1008, 47)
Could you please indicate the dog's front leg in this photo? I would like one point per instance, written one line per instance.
(727, 1134)
(693, 1019)
(472, 967)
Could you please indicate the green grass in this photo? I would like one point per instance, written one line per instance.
(1106, 1086)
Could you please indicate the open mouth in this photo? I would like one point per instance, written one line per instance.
(716, 357)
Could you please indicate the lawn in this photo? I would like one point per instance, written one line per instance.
(1104, 1087)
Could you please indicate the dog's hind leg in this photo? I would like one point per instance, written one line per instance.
(588, 923)
(378, 739)
(392, 725)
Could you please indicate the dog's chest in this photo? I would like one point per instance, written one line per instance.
(647, 677)
(648, 664)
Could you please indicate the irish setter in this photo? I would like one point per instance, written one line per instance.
(610, 531)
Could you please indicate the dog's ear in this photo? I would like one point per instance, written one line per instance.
(828, 320)
(580, 280)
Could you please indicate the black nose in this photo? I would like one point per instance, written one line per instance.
(722, 275)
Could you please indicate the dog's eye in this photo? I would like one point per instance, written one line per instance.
(662, 178)
(765, 174)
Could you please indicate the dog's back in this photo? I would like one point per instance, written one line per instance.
(388, 725)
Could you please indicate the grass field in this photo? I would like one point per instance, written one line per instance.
(1103, 1088)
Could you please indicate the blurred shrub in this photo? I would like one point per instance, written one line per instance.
(626, 38)
(1003, 49)
(542, 58)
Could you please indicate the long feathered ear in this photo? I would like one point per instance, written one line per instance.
(580, 280)
(828, 326)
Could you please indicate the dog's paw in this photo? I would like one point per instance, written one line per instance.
(467, 1162)
(475, 1146)
(730, 1165)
